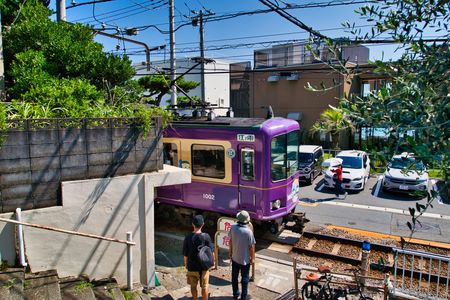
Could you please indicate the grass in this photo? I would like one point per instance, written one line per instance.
(129, 295)
(436, 173)
(82, 285)
(10, 283)
(327, 156)
(3, 265)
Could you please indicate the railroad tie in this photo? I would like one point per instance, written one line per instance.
(311, 244)
(336, 248)
(391, 258)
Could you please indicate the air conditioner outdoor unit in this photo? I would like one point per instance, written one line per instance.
(292, 77)
(273, 78)
(298, 116)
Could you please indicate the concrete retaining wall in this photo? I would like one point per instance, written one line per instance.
(107, 207)
(38, 155)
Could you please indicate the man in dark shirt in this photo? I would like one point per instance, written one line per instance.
(190, 252)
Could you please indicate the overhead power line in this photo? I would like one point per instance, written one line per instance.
(122, 13)
(319, 68)
(86, 3)
(267, 44)
(291, 18)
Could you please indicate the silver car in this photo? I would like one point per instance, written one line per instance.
(405, 174)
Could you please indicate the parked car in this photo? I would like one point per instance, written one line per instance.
(405, 174)
(310, 160)
(356, 170)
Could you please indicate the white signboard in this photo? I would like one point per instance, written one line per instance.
(222, 239)
(224, 223)
(246, 138)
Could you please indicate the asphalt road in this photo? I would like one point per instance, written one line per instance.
(374, 210)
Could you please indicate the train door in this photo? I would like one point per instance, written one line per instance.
(247, 180)
(172, 156)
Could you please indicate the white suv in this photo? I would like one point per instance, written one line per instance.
(405, 174)
(356, 170)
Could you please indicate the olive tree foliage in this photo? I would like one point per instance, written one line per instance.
(417, 100)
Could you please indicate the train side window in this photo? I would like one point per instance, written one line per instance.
(170, 153)
(248, 164)
(208, 161)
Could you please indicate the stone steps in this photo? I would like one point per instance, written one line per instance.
(16, 284)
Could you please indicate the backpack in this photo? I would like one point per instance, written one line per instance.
(205, 255)
(335, 177)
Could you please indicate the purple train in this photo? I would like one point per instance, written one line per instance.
(236, 164)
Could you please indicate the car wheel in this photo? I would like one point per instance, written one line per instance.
(311, 178)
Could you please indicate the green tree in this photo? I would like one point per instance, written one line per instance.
(57, 70)
(332, 121)
(10, 10)
(158, 85)
(68, 49)
(417, 100)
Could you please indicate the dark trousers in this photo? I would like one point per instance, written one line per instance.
(338, 188)
(245, 273)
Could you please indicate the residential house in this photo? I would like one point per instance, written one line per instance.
(282, 73)
(216, 85)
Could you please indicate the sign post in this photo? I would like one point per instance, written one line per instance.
(222, 240)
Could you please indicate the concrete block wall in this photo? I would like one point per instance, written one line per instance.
(37, 155)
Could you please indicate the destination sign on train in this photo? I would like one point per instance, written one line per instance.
(246, 137)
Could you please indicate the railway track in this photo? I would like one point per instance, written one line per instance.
(340, 249)
(348, 251)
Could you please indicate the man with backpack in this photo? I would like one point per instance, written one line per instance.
(198, 252)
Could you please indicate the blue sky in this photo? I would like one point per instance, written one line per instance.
(234, 39)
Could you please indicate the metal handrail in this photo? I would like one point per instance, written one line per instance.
(99, 237)
(412, 265)
(128, 242)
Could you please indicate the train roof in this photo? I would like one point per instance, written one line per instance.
(222, 122)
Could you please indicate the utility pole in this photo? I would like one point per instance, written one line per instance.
(2, 69)
(61, 10)
(199, 19)
(173, 76)
(202, 55)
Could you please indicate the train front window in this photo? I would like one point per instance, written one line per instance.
(208, 161)
(284, 156)
(248, 164)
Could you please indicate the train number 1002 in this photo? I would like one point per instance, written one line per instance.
(208, 196)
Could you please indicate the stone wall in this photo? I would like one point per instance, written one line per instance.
(37, 155)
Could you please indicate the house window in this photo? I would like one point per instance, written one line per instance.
(261, 59)
(368, 86)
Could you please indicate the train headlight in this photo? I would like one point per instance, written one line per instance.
(276, 204)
